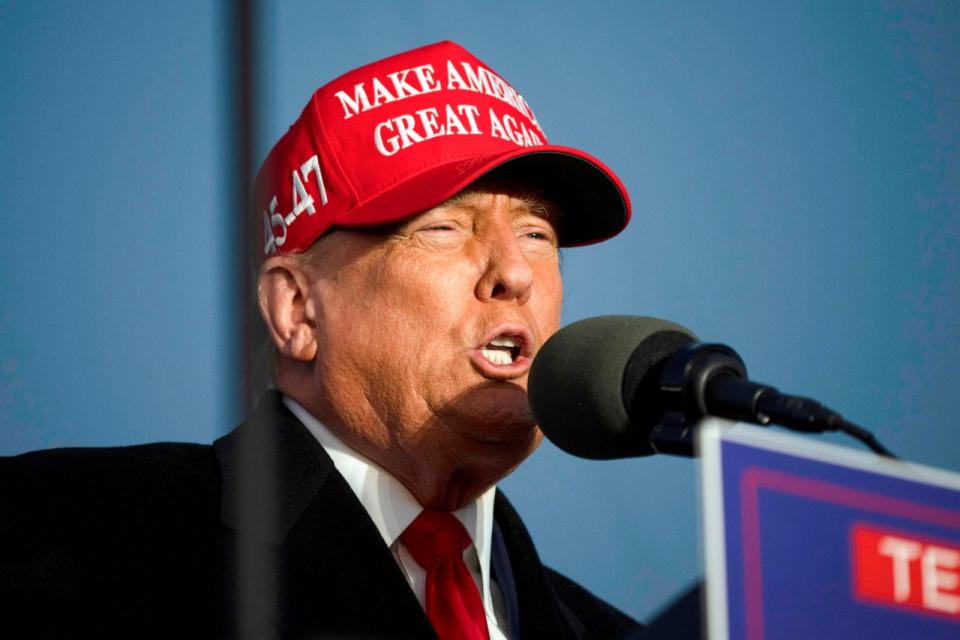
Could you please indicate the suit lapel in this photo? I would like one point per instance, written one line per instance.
(274, 448)
(537, 607)
(334, 574)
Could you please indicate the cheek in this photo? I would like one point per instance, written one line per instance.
(418, 307)
(550, 302)
(430, 290)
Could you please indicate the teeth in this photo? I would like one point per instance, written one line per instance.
(504, 342)
(496, 356)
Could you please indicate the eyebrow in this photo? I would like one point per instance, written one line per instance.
(533, 200)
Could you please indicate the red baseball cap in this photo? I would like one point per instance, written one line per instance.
(401, 135)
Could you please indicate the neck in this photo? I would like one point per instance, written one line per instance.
(445, 462)
(442, 474)
(439, 479)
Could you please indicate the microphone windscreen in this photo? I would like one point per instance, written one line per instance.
(576, 382)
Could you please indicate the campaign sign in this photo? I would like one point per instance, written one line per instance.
(810, 540)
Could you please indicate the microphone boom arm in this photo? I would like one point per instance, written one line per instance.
(704, 379)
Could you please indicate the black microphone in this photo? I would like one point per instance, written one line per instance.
(625, 386)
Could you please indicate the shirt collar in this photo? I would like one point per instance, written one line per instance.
(390, 505)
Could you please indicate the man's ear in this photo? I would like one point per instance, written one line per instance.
(282, 293)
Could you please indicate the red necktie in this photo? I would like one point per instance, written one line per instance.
(436, 540)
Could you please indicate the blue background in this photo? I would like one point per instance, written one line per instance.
(794, 167)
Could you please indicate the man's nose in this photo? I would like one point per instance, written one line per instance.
(508, 274)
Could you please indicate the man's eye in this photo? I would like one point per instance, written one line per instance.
(542, 236)
(441, 235)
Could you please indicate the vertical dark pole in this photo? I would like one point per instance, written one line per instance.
(242, 138)
(252, 580)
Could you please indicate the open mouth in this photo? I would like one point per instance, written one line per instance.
(506, 353)
(501, 350)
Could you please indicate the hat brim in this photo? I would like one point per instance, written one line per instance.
(595, 205)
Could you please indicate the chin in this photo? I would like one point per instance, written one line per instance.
(494, 413)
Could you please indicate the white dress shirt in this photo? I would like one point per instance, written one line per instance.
(392, 508)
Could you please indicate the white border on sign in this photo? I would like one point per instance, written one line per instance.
(714, 545)
(808, 447)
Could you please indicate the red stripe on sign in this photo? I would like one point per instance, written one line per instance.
(906, 571)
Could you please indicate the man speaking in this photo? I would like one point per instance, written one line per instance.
(409, 272)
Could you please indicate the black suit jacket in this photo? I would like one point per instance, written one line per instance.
(150, 541)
